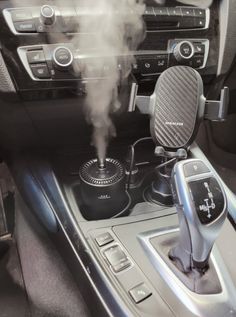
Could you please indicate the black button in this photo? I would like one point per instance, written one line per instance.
(40, 71)
(186, 23)
(199, 48)
(35, 57)
(175, 12)
(161, 11)
(140, 293)
(161, 62)
(25, 26)
(201, 13)
(186, 50)
(187, 12)
(63, 56)
(195, 168)
(21, 15)
(199, 22)
(104, 238)
(147, 66)
(197, 61)
(117, 258)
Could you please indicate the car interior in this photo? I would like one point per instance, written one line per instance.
(117, 158)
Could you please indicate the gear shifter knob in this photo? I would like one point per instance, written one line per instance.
(201, 205)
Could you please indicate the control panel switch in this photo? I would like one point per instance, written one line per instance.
(197, 61)
(197, 168)
(25, 26)
(35, 57)
(201, 13)
(175, 11)
(21, 15)
(40, 71)
(103, 239)
(184, 51)
(199, 22)
(63, 57)
(187, 12)
(117, 258)
(140, 293)
(199, 48)
(48, 15)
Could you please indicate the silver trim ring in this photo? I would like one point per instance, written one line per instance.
(47, 16)
(179, 52)
(60, 64)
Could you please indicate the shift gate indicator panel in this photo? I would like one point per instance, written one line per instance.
(208, 198)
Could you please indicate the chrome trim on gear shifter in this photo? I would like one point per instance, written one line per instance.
(212, 305)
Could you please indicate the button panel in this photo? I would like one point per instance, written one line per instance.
(152, 64)
(116, 262)
(193, 53)
(54, 19)
(63, 63)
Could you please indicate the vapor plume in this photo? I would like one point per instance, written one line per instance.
(109, 29)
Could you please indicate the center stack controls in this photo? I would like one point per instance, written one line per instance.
(66, 18)
(63, 62)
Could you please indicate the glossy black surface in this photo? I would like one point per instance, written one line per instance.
(208, 199)
(153, 41)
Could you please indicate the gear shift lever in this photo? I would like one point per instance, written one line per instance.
(202, 209)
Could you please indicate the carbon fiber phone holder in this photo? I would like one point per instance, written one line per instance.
(177, 106)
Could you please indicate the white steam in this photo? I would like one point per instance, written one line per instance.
(108, 29)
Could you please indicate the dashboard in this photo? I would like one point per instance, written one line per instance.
(41, 49)
(42, 62)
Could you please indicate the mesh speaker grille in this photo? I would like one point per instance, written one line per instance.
(90, 173)
(178, 93)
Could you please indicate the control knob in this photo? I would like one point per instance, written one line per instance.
(48, 15)
(183, 51)
(63, 57)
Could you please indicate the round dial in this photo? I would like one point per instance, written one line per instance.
(184, 51)
(63, 57)
(47, 14)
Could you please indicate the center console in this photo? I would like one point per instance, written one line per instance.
(145, 256)
(148, 230)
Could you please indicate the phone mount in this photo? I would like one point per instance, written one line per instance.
(176, 108)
